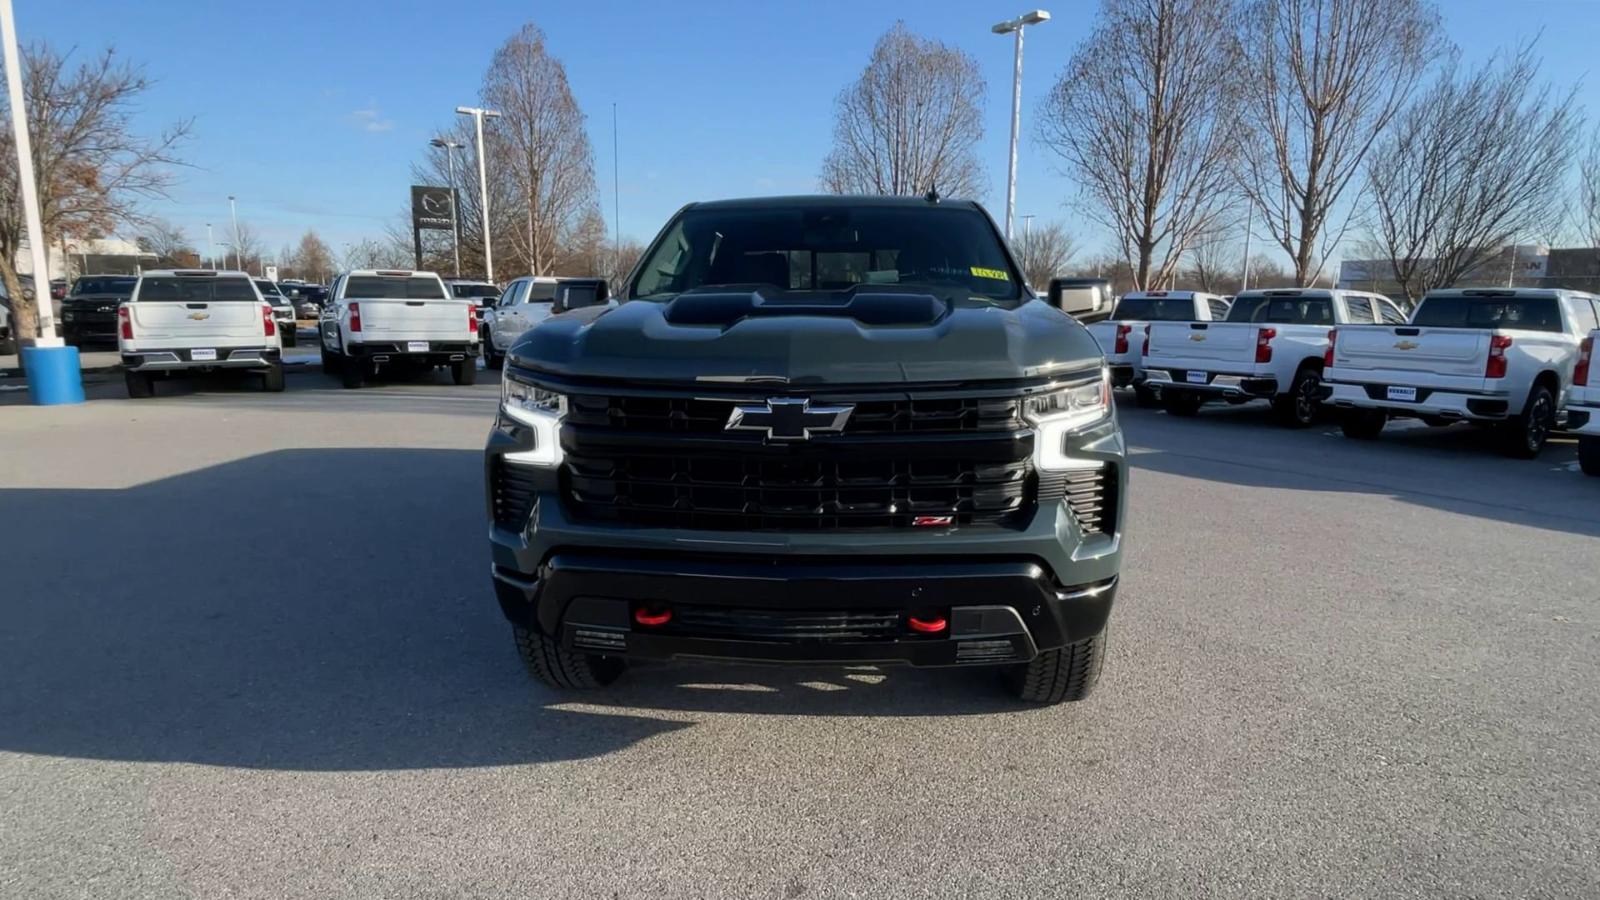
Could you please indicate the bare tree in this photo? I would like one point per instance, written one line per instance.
(169, 243)
(540, 142)
(90, 165)
(369, 253)
(909, 124)
(312, 258)
(1475, 161)
(1324, 79)
(1213, 261)
(1586, 215)
(1143, 117)
(1044, 253)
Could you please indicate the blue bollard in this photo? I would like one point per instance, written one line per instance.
(53, 375)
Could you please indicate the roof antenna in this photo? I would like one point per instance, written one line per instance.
(932, 195)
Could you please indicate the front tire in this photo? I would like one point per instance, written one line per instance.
(1063, 675)
(1524, 436)
(465, 371)
(1364, 424)
(140, 385)
(1298, 408)
(491, 358)
(1184, 404)
(1589, 455)
(330, 361)
(556, 666)
(290, 338)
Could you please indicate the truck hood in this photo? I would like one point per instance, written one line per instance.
(891, 337)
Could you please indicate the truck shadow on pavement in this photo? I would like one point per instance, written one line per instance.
(328, 610)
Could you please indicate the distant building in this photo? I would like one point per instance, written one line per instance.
(1531, 265)
(101, 256)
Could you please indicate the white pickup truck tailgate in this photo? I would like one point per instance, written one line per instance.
(1395, 349)
(1212, 346)
(417, 320)
(215, 323)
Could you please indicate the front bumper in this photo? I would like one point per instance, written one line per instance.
(1430, 403)
(1006, 592)
(183, 358)
(1229, 386)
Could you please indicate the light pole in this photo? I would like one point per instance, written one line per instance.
(1016, 25)
(238, 260)
(450, 148)
(211, 247)
(30, 189)
(478, 114)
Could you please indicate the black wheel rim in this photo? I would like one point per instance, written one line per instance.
(1538, 422)
(1305, 402)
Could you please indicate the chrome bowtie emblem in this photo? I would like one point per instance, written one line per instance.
(789, 418)
(1406, 345)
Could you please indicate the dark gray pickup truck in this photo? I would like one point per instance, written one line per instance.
(831, 430)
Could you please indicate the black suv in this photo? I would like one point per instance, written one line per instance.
(815, 429)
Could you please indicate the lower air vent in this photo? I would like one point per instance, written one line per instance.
(1091, 495)
(512, 494)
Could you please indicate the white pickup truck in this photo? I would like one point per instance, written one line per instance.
(179, 319)
(1496, 355)
(1122, 336)
(396, 319)
(1271, 346)
(1583, 406)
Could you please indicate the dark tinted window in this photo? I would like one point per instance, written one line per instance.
(830, 248)
(469, 291)
(1390, 315)
(104, 285)
(541, 292)
(269, 290)
(1527, 313)
(196, 289)
(393, 287)
(1288, 310)
(1360, 309)
(1154, 309)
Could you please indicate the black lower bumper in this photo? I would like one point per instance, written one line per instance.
(438, 353)
(804, 610)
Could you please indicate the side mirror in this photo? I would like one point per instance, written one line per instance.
(577, 293)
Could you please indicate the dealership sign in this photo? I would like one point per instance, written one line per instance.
(432, 208)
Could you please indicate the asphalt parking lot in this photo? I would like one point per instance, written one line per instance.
(250, 650)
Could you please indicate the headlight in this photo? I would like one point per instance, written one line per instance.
(1062, 412)
(539, 409)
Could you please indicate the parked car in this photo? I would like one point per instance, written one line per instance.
(1085, 299)
(8, 339)
(197, 320)
(857, 441)
(1123, 335)
(282, 310)
(1502, 356)
(58, 289)
(307, 298)
(481, 292)
(1583, 405)
(89, 312)
(378, 319)
(526, 302)
(1272, 346)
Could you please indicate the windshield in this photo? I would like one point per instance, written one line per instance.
(173, 288)
(269, 290)
(1526, 313)
(952, 250)
(394, 287)
(118, 285)
(1287, 310)
(1154, 309)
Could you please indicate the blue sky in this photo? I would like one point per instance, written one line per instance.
(311, 113)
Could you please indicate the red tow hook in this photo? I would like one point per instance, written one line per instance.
(652, 619)
(932, 625)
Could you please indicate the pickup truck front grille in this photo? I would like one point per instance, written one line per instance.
(669, 462)
(710, 416)
(1090, 494)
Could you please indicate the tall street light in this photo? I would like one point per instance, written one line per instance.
(478, 115)
(211, 247)
(450, 148)
(1015, 26)
(238, 260)
(30, 189)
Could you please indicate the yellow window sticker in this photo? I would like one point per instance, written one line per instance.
(997, 274)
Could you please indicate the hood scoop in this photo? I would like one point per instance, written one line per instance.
(725, 308)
